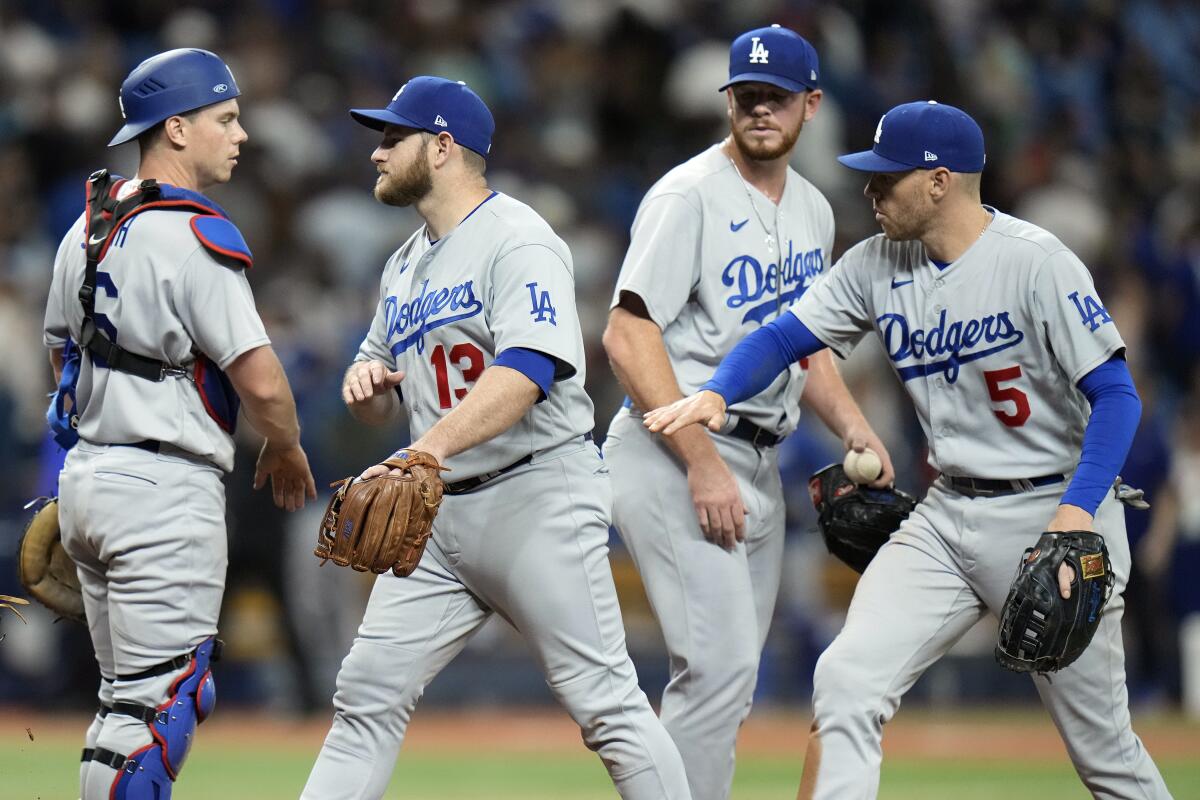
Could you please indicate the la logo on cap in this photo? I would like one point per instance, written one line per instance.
(879, 130)
(758, 51)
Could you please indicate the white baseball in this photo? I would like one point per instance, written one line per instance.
(862, 467)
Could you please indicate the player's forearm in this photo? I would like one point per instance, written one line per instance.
(761, 357)
(56, 363)
(1116, 409)
(639, 359)
(500, 398)
(826, 395)
(266, 396)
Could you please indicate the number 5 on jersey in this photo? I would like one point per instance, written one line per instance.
(1008, 394)
(467, 359)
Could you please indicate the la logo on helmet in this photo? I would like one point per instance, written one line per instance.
(758, 51)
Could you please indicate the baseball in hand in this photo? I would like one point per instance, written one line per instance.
(862, 467)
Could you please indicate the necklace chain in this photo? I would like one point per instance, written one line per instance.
(754, 207)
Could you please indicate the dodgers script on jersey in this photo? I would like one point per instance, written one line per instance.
(500, 279)
(160, 307)
(983, 347)
(702, 213)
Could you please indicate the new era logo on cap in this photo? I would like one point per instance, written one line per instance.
(922, 135)
(420, 104)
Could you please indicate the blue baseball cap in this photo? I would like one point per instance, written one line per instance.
(171, 83)
(435, 105)
(774, 55)
(922, 135)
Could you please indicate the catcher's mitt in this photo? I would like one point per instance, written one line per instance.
(855, 520)
(1039, 630)
(45, 569)
(383, 523)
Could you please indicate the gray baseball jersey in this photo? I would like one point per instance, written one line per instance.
(705, 257)
(702, 213)
(989, 348)
(501, 279)
(166, 297)
(530, 544)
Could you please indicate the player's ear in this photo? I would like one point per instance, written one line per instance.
(175, 130)
(812, 102)
(443, 144)
(940, 180)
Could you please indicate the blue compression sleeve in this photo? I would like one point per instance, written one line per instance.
(1116, 409)
(535, 365)
(760, 357)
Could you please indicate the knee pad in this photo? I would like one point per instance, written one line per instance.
(190, 699)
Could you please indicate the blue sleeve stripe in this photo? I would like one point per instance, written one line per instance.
(1116, 409)
(535, 365)
(758, 359)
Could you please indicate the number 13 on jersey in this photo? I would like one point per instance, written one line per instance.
(467, 359)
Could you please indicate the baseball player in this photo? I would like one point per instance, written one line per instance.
(723, 243)
(1018, 376)
(152, 331)
(476, 333)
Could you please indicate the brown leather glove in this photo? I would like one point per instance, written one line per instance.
(45, 569)
(383, 523)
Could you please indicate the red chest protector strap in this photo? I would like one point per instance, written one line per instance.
(104, 217)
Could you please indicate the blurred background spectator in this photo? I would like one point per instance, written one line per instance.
(1091, 110)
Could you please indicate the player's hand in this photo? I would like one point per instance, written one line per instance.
(718, 502)
(384, 469)
(291, 479)
(705, 407)
(367, 379)
(1068, 518)
(859, 439)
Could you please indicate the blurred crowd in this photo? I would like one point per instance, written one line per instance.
(1091, 109)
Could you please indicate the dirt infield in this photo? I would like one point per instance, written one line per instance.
(1000, 735)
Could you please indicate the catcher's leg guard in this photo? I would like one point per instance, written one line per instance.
(190, 699)
(140, 776)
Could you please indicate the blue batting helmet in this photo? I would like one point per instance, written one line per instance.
(171, 83)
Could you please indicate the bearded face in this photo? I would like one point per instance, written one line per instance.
(403, 164)
(765, 120)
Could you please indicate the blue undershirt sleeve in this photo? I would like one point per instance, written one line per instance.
(758, 359)
(1116, 409)
(536, 366)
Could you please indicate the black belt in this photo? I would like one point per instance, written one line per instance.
(149, 445)
(747, 431)
(471, 484)
(991, 487)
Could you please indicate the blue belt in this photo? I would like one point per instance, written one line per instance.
(991, 487)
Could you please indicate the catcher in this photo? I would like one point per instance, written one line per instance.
(155, 341)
